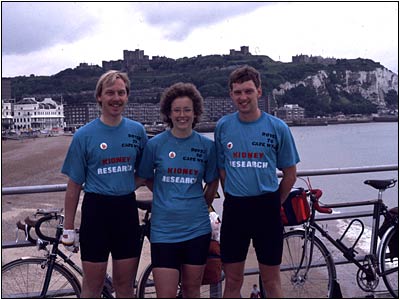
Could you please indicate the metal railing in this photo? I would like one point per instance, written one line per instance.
(319, 172)
(248, 271)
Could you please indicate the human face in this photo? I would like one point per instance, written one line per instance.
(182, 115)
(113, 99)
(245, 97)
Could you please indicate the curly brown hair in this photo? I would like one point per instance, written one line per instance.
(178, 90)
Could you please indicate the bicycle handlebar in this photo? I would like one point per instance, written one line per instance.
(29, 224)
(39, 222)
(315, 194)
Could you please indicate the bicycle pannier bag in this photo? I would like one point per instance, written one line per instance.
(213, 270)
(295, 210)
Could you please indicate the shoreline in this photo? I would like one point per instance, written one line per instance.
(210, 126)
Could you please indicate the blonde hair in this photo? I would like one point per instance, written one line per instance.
(109, 78)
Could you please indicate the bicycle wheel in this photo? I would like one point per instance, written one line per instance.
(298, 281)
(146, 287)
(24, 278)
(389, 261)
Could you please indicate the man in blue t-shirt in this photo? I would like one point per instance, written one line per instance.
(251, 145)
(102, 158)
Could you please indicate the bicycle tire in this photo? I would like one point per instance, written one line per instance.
(24, 278)
(389, 262)
(320, 277)
(146, 287)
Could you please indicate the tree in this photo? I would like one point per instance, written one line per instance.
(392, 99)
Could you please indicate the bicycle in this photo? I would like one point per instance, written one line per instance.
(308, 269)
(55, 274)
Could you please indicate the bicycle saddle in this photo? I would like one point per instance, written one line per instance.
(381, 184)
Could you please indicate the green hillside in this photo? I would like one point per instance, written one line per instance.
(210, 75)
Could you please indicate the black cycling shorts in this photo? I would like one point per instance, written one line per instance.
(174, 255)
(110, 224)
(252, 218)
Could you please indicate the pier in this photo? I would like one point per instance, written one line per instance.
(346, 273)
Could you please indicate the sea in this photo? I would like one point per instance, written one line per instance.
(345, 146)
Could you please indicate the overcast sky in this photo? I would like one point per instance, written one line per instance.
(44, 38)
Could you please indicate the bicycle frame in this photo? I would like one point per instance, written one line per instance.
(349, 253)
(51, 260)
(53, 254)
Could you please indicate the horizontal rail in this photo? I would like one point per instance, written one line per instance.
(316, 172)
(17, 244)
(33, 189)
(349, 170)
(344, 215)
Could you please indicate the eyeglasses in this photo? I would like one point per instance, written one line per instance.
(178, 111)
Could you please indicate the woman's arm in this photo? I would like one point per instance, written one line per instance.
(210, 190)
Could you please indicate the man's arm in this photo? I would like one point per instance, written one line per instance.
(287, 182)
(222, 176)
(210, 191)
(71, 203)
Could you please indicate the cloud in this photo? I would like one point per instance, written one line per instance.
(178, 20)
(31, 26)
(44, 37)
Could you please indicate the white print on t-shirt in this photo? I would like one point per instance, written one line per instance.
(248, 164)
(179, 179)
(114, 169)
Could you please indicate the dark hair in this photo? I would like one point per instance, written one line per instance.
(178, 90)
(244, 74)
(109, 78)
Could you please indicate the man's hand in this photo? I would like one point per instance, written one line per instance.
(70, 240)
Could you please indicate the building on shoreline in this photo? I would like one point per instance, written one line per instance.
(30, 114)
(7, 119)
(290, 112)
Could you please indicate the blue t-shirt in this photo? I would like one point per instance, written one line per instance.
(250, 153)
(104, 158)
(179, 166)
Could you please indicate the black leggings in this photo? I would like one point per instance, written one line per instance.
(174, 255)
(252, 218)
(110, 224)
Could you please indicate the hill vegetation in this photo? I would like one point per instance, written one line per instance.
(210, 75)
